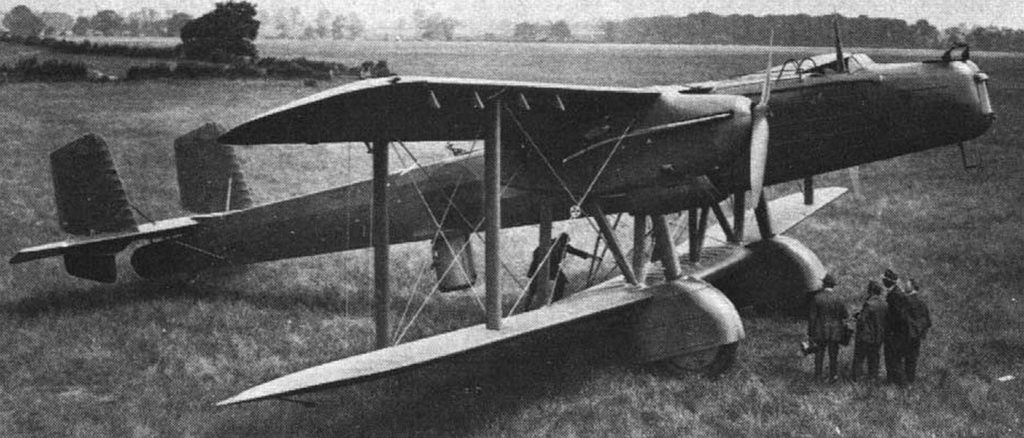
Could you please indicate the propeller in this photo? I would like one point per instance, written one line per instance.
(759, 130)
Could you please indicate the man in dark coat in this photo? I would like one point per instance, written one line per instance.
(918, 322)
(826, 327)
(871, 322)
(896, 331)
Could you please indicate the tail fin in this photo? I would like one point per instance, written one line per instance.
(209, 177)
(90, 200)
(90, 197)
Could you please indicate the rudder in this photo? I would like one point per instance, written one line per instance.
(89, 194)
(209, 177)
(90, 200)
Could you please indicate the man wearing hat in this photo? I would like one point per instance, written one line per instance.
(918, 322)
(871, 322)
(896, 331)
(826, 327)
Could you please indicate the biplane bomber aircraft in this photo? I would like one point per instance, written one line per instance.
(551, 153)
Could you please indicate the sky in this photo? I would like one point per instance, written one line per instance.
(942, 13)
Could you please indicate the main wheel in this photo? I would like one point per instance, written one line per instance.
(710, 363)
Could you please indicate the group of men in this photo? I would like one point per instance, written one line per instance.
(895, 324)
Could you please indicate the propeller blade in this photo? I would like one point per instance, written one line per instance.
(766, 88)
(759, 128)
(758, 149)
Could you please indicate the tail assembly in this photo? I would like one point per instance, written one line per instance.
(209, 177)
(90, 200)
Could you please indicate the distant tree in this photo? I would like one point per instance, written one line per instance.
(176, 22)
(22, 22)
(107, 22)
(435, 26)
(525, 31)
(925, 35)
(339, 27)
(310, 33)
(224, 34)
(81, 27)
(559, 31)
(323, 23)
(56, 23)
(609, 30)
(355, 27)
(145, 21)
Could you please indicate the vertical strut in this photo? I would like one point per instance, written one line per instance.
(739, 215)
(723, 222)
(543, 274)
(612, 242)
(809, 190)
(492, 212)
(764, 220)
(381, 241)
(695, 239)
(669, 261)
(640, 246)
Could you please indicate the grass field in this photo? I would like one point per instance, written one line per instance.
(144, 358)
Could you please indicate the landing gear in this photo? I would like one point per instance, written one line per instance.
(710, 363)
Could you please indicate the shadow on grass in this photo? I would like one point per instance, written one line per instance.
(457, 397)
(141, 291)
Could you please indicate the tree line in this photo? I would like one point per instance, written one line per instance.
(22, 21)
(804, 30)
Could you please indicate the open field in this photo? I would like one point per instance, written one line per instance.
(144, 358)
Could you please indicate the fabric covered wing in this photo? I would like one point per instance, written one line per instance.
(437, 109)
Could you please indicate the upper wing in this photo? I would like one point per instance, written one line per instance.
(431, 109)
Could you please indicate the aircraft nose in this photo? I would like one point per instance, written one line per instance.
(981, 86)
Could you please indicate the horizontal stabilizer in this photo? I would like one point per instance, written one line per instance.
(106, 244)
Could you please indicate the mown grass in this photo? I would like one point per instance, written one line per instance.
(145, 358)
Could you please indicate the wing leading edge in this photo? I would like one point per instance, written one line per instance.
(409, 108)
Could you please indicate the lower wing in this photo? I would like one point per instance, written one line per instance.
(614, 295)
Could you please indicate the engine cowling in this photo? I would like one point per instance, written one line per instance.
(685, 316)
(779, 275)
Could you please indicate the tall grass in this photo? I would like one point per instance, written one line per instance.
(148, 358)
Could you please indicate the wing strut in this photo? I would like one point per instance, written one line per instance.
(381, 241)
(640, 247)
(612, 242)
(543, 274)
(739, 215)
(492, 209)
(764, 219)
(669, 261)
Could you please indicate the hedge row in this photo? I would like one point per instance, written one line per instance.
(30, 69)
(297, 68)
(88, 48)
(300, 68)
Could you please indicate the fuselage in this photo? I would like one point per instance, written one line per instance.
(820, 121)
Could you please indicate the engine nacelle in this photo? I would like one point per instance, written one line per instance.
(778, 275)
(685, 316)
